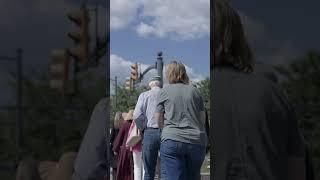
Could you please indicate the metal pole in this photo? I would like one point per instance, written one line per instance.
(116, 89)
(74, 78)
(96, 33)
(19, 104)
(160, 67)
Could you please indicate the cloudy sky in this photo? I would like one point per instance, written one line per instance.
(280, 31)
(141, 28)
(277, 30)
(38, 27)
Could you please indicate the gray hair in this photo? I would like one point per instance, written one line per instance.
(154, 83)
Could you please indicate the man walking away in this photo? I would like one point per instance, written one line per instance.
(144, 117)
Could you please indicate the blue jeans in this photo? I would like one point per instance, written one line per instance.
(182, 161)
(151, 147)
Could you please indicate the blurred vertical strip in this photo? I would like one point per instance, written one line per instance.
(212, 59)
(107, 58)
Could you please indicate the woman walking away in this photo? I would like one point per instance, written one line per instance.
(255, 130)
(180, 111)
(117, 123)
(125, 163)
(136, 150)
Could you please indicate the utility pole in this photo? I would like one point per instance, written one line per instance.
(96, 34)
(116, 90)
(19, 102)
(18, 106)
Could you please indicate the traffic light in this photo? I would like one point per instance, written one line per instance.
(128, 84)
(58, 69)
(134, 72)
(101, 47)
(80, 37)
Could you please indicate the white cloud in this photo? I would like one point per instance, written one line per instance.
(123, 12)
(175, 19)
(194, 77)
(145, 29)
(119, 67)
(188, 19)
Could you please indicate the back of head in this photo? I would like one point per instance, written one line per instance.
(176, 73)
(230, 47)
(154, 82)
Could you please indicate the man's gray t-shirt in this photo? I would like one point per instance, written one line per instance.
(182, 105)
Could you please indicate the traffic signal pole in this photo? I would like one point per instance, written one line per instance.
(158, 66)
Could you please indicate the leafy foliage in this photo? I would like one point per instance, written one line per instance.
(302, 84)
(52, 124)
(204, 87)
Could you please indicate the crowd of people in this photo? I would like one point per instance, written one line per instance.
(172, 124)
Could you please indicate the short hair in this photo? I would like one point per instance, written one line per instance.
(230, 47)
(118, 119)
(154, 83)
(176, 73)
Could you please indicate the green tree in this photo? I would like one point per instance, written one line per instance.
(302, 84)
(204, 87)
(52, 124)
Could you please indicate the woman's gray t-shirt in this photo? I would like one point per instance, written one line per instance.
(181, 105)
(255, 130)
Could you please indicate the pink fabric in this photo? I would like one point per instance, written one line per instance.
(138, 146)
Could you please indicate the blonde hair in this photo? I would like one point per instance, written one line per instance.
(176, 73)
(118, 120)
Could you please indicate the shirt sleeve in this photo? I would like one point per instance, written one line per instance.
(201, 102)
(296, 143)
(295, 140)
(161, 98)
(139, 112)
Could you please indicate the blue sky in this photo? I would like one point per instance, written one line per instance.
(141, 28)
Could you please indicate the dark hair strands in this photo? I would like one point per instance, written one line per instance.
(230, 45)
